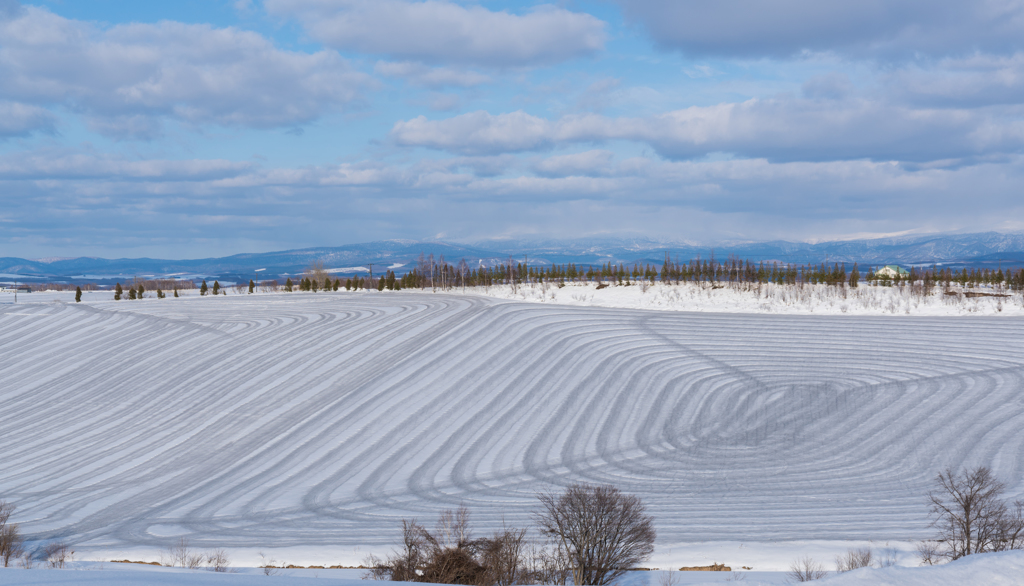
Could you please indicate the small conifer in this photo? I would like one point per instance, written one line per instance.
(141, 290)
(131, 293)
(175, 291)
(216, 287)
(118, 292)
(203, 289)
(252, 286)
(288, 285)
(78, 294)
(160, 294)
(337, 283)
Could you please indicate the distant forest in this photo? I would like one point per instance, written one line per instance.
(439, 274)
(431, 273)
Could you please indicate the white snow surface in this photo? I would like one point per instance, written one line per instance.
(771, 298)
(993, 569)
(310, 424)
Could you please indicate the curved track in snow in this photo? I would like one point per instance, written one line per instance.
(323, 419)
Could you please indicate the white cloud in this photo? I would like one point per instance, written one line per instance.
(445, 102)
(122, 75)
(476, 133)
(864, 28)
(64, 164)
(23, 119)
(433, 77)
(106, 201)
(440, 31)
(974, 81)
(589, 163)
(9, 9)
(776, 129)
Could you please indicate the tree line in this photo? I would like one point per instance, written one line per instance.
(438, 274)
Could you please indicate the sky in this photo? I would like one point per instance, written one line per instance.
(208, 128)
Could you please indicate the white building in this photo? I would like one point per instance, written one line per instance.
(892, 271)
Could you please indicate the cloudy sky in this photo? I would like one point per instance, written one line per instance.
(211, 127)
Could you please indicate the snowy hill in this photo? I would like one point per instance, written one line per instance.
(316, 422)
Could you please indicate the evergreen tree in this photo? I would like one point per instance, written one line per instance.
(141, 290)
(160, 294)
(252, 286)
(380, 284)
(337, 283)
(203, 289)
(854, 276)
(288, 285)
(78, 294)
(118, 292)
(175, 291)
(216, 287)
(131, 293)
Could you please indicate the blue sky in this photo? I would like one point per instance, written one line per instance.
(192, 128)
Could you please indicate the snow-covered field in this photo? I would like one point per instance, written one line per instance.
(771, 298)
(993, 569)
(307, 425)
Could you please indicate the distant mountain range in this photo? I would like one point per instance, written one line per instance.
(987, 249)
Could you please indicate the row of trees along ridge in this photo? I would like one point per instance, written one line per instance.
(439, 274)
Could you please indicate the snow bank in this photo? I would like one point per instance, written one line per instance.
(995, 569)
(990, 569)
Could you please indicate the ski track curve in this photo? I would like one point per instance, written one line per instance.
(324, 419)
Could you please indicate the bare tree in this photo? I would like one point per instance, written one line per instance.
(317, 274)
(669, 578)
(930, 552)
(463, 273)
(269, 567)
(603, 532)
(502, 557)
(26, 562)
(853, 559)
(58, 554)
(450, 555)
(10, 538)
(403, 565)
(887, 557)
(806, 569)
(218, 560)
(183, 556)
(452, 552)
(970, 515)
(511, 267)
(546, 565)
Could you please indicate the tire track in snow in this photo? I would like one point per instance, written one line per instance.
(324, 419)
